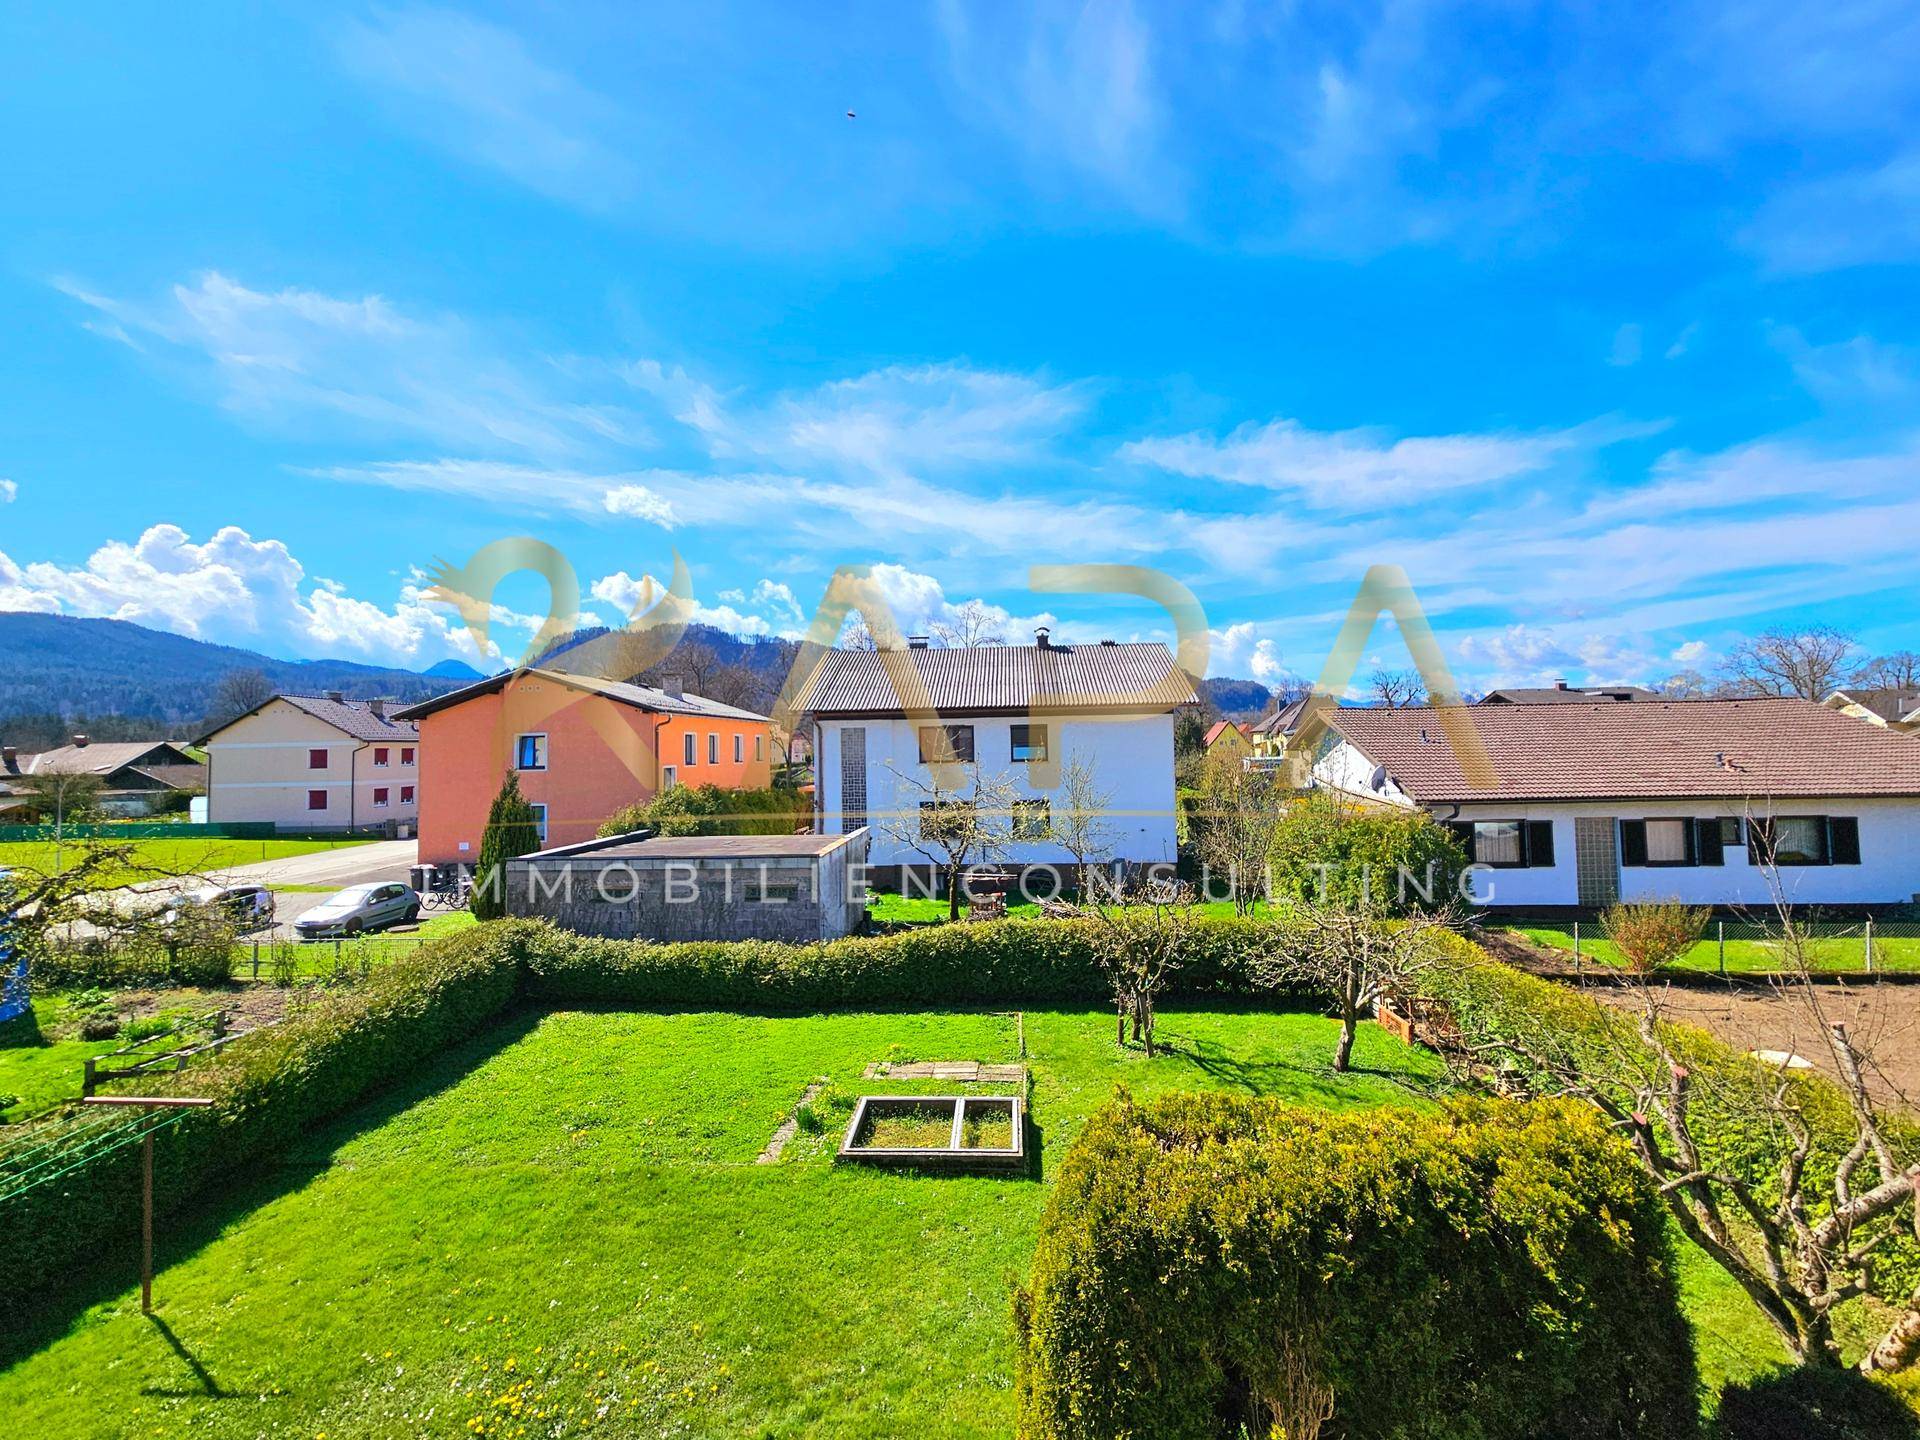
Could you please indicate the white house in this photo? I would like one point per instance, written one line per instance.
(880, 719)
(1680, 799)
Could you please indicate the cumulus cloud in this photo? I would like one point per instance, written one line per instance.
(9, 492)
(637, 502)
(234, 588)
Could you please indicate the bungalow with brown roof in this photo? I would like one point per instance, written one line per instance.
(137, 777)
(1712, 802)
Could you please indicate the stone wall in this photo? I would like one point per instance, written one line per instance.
(791, 898)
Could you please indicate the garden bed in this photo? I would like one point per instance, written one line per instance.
(936, 1132)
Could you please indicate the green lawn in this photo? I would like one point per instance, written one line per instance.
(166, 857)
(36, 1070)
(918, 910)
(560, 1229)
(1831, 952)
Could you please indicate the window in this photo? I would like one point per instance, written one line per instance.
(945, 822)
(943, 744)
(739, 748)
(693, 747)
(1029, 742)
(669, 777)
(1032, 819)
(382, 797)
(406, 754)
(530, 752)
(540, 821)
(760, 890)
(1729, 827)
(316, 759)
(713, 748)
(316, 799)
(759, 748)
(1507, 844)
(382, 755)
(1667, 842)
(406, 794)
(1805, 840)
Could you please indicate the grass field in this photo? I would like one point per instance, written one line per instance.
(153, 858)
(917, 910)
(1838, 952)
(36, 1070)
(561, 1229)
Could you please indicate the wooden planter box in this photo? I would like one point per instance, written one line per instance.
(955, 1154)
(1394, 1023)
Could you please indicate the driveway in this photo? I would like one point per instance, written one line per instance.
(349, 865)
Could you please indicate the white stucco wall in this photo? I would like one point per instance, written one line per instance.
(1131, 756)
(1888, 872)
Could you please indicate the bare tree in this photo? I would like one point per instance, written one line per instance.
(1808, 663)
(62, 798)
(1396, 689)
(1898, 671)
(1683, 685)
(954, 826)
(970, 625)
(1356, 954)
(1143, 925)
(237, 692)
(1239, 815)
(1077, 820)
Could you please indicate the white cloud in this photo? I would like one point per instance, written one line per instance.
(1351, 469)
(1848, 374)
(234, 588)
(1690, 654)
(639, 503)
(9, 492)
(473, 88)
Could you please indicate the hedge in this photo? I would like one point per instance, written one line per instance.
(1495, 1271)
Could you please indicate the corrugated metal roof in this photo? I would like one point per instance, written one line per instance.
(1729, 749)
(1003, 678)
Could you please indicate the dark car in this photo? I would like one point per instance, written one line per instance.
(249, 906)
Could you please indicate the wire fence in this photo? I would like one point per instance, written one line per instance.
(1737, 947)
(287, 962)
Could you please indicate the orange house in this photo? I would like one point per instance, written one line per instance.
(583, 749)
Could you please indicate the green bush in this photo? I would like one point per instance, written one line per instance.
(1325, 846)
(511, 830)
(1814, 1404)
(149, 957)
(1491, 1271)
(268, 1088)
(711, 810)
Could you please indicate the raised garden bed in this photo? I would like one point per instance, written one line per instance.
(953, 1132)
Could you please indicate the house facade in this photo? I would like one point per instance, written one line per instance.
(583, 749)
(317, 763)
(1712, 802)
(883, 722)
(138, 777)
(1227, 740)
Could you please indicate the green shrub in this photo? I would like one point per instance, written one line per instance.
(1820, 1403)
(511, 830)
(712, 810)
(149, 956)
(1492, 1271)
(1324, 847)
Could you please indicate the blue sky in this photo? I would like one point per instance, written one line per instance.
(1603, 323)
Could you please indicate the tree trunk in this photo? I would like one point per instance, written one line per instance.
(953, 893)
(1899, 1347)
(1343, 1053)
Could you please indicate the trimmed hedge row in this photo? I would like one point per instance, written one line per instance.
(1495, 1272)
(268, 1089)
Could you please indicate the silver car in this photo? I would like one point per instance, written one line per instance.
(359, 908)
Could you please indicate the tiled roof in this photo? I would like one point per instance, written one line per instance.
(1010, 679)
(353, 717)
(1283, 721)
(1893, 706)
(1731, 749)
(103, 757)
(1569, 695)
(641, 697)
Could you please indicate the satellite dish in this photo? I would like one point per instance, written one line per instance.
(1380, 778)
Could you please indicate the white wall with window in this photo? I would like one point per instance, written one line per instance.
(1131, 756)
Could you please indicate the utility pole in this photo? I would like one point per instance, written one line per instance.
(149, 1103)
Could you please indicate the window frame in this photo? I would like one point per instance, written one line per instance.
(382, 757)
(1689, 842)
(1021, 830)
(690, 749)
(408, 754)
(1823, 829)
(925, 805)
(382, 797)
(713, 747)
(739, 748)
(408, 795)
(1519, 845)
(321, 796)
(519, 751)
(951, 733)
(1036, 754)
(759, 747)
(318, 757)
(539, 809)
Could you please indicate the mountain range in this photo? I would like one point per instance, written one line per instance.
(119, 680)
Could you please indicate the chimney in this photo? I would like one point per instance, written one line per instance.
(1042, 638)
(79, 742)
(1560, 684)
(9, 756)
(377, 709)
(674, 686)
(337, 696)
(918, 642)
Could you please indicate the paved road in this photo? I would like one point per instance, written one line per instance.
(349, 865)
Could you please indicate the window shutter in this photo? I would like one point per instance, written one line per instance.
(1463, 832)
(1710, 846)
(1633, 842)
(1540, 844)
(1843, 840)
(1759, 841)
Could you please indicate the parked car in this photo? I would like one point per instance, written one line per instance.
(249, 906)
(359, 908)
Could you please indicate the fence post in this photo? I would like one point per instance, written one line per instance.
(256, 959)
(1723, 949)
(87, 1081)
(1576, 943)
(1869, 945)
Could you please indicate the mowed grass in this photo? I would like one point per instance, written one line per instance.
(37, 1071)
(1828, 952)
(154, 858)
(564, 1224)
(889, 909)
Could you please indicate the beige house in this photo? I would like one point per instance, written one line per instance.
(316, 762)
